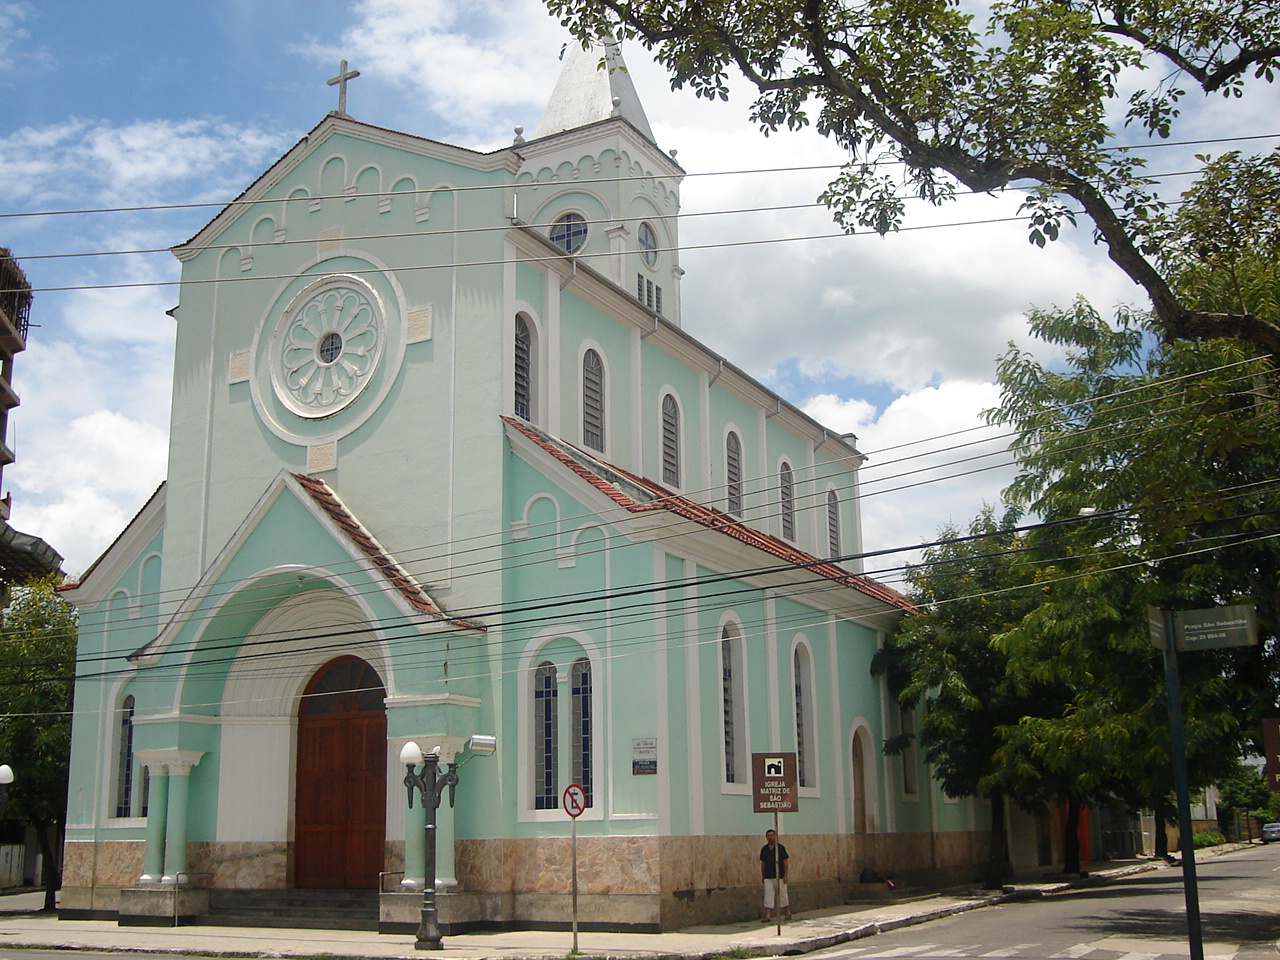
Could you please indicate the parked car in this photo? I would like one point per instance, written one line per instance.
(1270, 831)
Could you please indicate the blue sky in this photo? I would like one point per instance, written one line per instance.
(152, 103)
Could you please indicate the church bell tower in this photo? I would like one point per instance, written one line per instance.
(594, 181)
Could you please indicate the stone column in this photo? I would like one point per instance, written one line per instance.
(175, 838)
(415, 847)
(446, 872)
(157, 821)
(617, 254)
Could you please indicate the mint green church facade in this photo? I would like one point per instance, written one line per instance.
(444, 461)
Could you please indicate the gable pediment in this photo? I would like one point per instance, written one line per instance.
(300, 529)
(289, 174)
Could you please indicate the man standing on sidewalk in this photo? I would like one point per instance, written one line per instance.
(773, 870)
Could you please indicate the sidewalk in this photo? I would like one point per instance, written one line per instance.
(809, 931)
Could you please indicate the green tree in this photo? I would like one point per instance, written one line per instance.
(967, 591)
(928, 97)
(1244, 794)
(1172, 448)
(37, 666)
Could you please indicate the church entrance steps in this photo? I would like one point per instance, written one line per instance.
(303, 909)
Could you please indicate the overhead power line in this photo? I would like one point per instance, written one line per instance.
(750, 171)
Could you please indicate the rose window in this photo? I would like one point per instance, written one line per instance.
(328, 344)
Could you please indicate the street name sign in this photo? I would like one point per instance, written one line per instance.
(1214, 628)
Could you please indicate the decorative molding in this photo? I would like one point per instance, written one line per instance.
(173, 763)
(327, 345)
(418, 325)
(238, 367)
(322, 456)
(432, 700)
(329, 240)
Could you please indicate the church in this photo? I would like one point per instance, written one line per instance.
(445, 465)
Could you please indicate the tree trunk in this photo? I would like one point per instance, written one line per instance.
(52, 875)
(1071, 837)
(1162, 834)
(998, 866)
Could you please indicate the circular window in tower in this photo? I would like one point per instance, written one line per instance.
(569, 232)
(647, 239)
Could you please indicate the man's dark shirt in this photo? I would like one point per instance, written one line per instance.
(766, 858)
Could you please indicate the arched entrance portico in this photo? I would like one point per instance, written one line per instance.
(340, 811)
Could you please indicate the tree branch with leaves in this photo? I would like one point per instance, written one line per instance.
(928, 98)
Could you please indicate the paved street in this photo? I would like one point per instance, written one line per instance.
(1137, 915)
(1136, 918)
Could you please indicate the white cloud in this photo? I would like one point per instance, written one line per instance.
(135, 163)
(79, 491)
(16, 50)
(478, 66)
(932, 460)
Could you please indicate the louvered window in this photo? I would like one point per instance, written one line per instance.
(805, 727)
(593, 401)
(670, 441)
(124, 772)
(733, 473)
(524, 369)
(546, 792)
(833, 524)
(787, 503)
(649, 293)
(580, 744)
(728, 691)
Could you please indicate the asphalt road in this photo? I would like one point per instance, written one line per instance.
(1138, 918)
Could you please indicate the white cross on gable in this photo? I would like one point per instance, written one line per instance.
(341, 81)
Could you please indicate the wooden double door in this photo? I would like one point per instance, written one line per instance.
(341, 784)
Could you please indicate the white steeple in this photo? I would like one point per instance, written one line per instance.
(594, 85)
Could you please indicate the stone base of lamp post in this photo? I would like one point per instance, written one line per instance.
(162, 905)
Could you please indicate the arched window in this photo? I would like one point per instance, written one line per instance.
(910, 759)
(787, 502)
(806, 734)
(124, 769)
(647, 240)
(833, 524)
(569, 232)
(581, 735)
(858, 755)
(524, 368)
(733, 473)
(670, 441)
(593, 401)
(733, 697)
(546, 786)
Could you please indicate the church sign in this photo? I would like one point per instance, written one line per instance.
(775, 784)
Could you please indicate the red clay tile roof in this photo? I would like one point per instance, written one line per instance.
(328, 501)
(718, 520)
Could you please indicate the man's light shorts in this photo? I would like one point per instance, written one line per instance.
(784, 901)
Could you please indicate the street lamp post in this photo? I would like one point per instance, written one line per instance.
(6, 778)
(431, 783)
